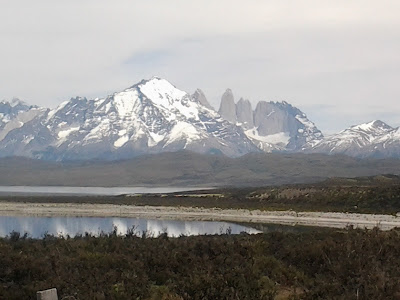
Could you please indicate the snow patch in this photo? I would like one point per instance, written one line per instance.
(64, 133)
(306, 122)
(154, 139)
(270, 113)
(370, 126)
(165, 95)
(183, 130)
(161, 91)
(98, 132)
(28, 139)
(6, 119)
(281, 138)
(54, 111)
(125, 102)
(121, 141)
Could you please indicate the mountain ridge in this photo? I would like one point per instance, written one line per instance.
(151, 116)
(154, 116)
(363, 140)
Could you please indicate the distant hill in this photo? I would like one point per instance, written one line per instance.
(186, 168)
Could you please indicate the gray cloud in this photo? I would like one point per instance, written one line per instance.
(341, 55)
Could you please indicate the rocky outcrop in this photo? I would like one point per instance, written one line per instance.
(201, 98)
(244, 114)
(227, 109)
(272, 126)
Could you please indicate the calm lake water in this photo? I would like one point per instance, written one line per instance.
(77, 190)
(36, 227)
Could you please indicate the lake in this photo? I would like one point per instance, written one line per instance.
(90, 190)
(36, 227)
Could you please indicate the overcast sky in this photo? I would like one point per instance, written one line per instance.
(338, 61)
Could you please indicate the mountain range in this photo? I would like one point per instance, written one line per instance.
(154, 116)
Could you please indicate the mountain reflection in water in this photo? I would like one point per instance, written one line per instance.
(36, 227)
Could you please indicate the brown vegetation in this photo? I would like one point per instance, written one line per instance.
(328, 264)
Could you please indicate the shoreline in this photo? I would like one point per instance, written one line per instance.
(319, 219)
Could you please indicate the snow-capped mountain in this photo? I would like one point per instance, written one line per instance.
(387, 145)
(13, 116)
(372, 139)
(150, 117)
(154, 116)
(272, 126)
(9, 110)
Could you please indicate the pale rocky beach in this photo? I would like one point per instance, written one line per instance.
(321, 219)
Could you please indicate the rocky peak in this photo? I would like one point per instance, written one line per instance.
(244, 114)
(271, 118)
(283, 124)
(227, 108)
(17, 102)
(13, 106)
(375, 126)
(367, 139)
(201, 98)
(9, 110)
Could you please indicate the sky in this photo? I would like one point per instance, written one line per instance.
(338, 61)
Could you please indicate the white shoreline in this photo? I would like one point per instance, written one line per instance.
(320, 219)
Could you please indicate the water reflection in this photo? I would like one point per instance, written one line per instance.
(90, 190)
(36, 227)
